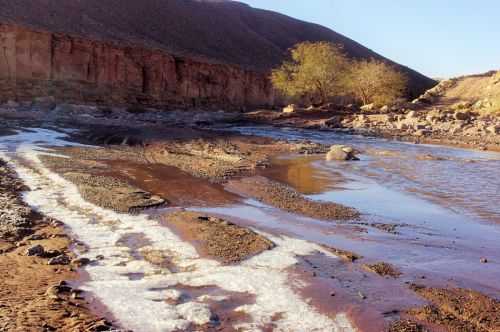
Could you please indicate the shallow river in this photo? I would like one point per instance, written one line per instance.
(445, 203)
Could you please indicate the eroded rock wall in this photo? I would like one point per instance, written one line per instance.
(39, 63)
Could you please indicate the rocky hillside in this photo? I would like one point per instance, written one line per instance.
(475, 92)
(461, 111)
(213, 30)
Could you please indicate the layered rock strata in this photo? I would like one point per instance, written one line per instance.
(37, 63)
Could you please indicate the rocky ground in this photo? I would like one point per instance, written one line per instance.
(461, 112)
(37, 269)
(106, 178)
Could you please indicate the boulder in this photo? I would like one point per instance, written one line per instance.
(11, 104)
(462, 116)
(412, 115)
(341, 153)
(493, 129)
(37, 250)
(351, 108)
(44, 103)
(292, 108)
(368, 107)
(59, 260)
(422, 132)
(334, 122)
(79, 262)
(385, 109)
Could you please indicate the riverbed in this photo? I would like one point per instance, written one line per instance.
(430, 211)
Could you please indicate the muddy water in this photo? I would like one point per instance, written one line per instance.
(445, 200)
(177, 187)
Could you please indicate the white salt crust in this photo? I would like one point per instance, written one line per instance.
(141, 304)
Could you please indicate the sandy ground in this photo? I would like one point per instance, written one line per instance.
(36, 296)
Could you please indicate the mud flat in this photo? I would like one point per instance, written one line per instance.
(286, 198)
(36, 270)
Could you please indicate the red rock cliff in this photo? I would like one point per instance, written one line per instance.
(39, 63)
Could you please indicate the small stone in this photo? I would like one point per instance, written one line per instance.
(361, 295)
(37, 250)
(332, 294)
(35, 237)
(79, 262)
(59, 260)
(484, 260)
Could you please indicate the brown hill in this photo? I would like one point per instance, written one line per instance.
(214, 30)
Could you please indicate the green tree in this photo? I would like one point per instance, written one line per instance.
(374, 81)
(316, 71)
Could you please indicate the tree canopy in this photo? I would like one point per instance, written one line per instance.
(315, 71)
(320, 71)
(373, 81)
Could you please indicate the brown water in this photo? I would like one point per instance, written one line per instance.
(446, 199)
(177, 187)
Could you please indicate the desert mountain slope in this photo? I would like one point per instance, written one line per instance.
(219, 31)
(480, 92)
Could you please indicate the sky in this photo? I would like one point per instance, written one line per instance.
(439, 38)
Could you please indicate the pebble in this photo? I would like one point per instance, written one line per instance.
(79, 262)
(59, 260)
(484, 260)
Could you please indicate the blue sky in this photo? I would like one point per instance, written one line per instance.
(440, 38)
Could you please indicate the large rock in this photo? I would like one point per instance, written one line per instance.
(44, 103)
(462, 116)
(292, 108)
(368, 107)
(36, 250)
(341, 153)
(493, 129)
(59, 260)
